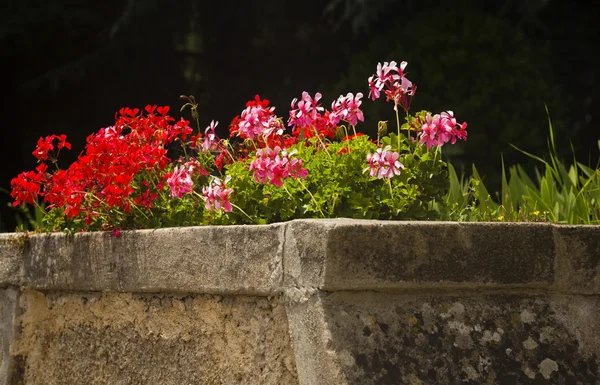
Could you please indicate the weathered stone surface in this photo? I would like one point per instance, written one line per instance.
(368, 302)
(210, 259)
(337, 254)
(352, 255)
(118, 338)
(8, 313)
(316, 362)
(578, 258)
(11, 259)
(375, 338)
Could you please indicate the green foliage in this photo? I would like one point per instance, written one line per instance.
(337, 186)
(562, 193)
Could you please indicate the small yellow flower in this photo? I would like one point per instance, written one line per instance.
(536, 213)
(501, 217)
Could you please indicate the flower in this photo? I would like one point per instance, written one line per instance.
(383, 76)
(384, 163)
(274, 165)
(211, 141)
(45, 145)
(180, 181)
(390, 79)
(257, 120)
(440, 129)
(113, 171)
(125, 178)
(305, 112)
(216, 194)
(308, 118)
(27, 186)
(347, 108)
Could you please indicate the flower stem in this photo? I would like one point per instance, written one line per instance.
(347, 141)
(142, 212)
(311, 196)
(398, 124)
(321, 141)
(242, 211)
(407, 128)
(391, 191)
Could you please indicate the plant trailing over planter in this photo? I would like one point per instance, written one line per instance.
(150, 170)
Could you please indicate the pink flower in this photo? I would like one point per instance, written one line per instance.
(384, 163)
(180, 181)
(347, 108)
(216, 195)
(274, 127)
(440, 129)
(429, 132)
(258, 120)
(451, 126)
(374, 92)
(211, 141)
(304, 113)
(274, 165)
(295, 169)
(383, 76)
(194, 167)
(390, 79)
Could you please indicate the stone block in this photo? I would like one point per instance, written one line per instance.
(11, 258)
(9, 300)
(345, 254)
(351, 338)
(577, 258)
(209, 259)
(121, 338)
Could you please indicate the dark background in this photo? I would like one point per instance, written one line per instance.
(70, 65)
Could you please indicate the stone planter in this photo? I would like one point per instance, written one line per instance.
(304, 302)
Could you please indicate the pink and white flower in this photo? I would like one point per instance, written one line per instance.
(441, 129)
(275, 165)
(305, 112)
(347, 108)
(384, 163)
(211, 141)
(180, 181)
(390, 79)
(217, 195)
(258, 120)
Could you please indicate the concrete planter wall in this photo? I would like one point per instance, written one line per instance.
(304, 302)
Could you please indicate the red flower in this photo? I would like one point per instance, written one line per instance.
(111, 171)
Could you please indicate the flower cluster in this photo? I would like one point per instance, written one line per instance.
(390, 79)
(384, 163)
(106, 174)
(305, 111)
(28, 185)
(46, 145)
(125, 171)
(180, 180)
(257, 120)
(258, 123)
(217, 194)
(274, 165)
(308, 118)
(347, 108)
(441, 128)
